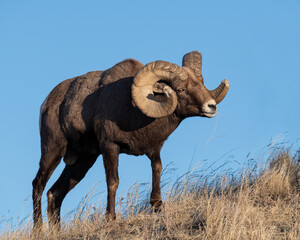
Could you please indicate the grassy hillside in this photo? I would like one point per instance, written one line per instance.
(254, 204)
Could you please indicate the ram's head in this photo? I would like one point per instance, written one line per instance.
(160, 88)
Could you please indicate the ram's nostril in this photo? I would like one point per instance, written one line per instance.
(212, 107)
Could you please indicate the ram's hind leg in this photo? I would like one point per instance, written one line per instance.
(49, 161)
(70, 177)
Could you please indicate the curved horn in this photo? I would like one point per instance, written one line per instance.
(193, 60)
(220, 92)
(143, 83)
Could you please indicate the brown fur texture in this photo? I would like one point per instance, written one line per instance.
(93, 114)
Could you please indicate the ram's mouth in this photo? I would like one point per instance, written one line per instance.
(208, 114)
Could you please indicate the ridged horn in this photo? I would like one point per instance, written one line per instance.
(220, 92)
(144, 81)
(193, 60)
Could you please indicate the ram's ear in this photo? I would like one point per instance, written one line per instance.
(143, 93)
(159, 87)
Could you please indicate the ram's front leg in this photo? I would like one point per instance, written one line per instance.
(155, 199)
(111, 162)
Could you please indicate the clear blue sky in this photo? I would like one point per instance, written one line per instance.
(255, 45)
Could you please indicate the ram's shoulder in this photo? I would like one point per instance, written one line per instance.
(125, 69)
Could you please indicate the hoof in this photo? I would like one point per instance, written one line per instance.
(37, 228)
(157, 206)
(110, 216)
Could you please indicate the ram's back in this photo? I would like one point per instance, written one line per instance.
(71, 106)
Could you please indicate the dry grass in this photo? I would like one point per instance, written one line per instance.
(261, 204)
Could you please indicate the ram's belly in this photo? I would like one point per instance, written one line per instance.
(141, 142)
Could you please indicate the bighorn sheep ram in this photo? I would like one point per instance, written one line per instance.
(129, 108)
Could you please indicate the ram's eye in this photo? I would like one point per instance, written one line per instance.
(180, 90)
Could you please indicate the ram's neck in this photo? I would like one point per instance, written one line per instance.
(167, 125)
